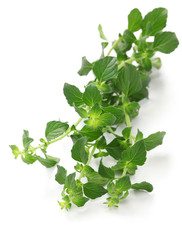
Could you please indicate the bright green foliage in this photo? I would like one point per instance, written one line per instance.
(107, 106)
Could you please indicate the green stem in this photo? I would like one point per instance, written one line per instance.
(124, 171)
(89, 159)
(127, 118)
(68, 131)
(113, 46)
(126, 61)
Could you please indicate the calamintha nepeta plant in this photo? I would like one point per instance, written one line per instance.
(110, 100)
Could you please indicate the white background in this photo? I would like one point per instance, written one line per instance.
(41, 45)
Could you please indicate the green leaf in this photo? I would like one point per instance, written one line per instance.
(101, 33)
(106, 119)
(105, 88)
(49, 161)
(135, 154)
(95, 111)
(134, 20)
(129, 81)
(165, 42)
(78, 150)
(26, 140)
(117, 112)
(82, 112)
(94, 176)
(73, 95)
(85, 68)
(54, 129)
(29, 158)
(15, 150)
(126, 132)
(79, 201)
(139, 136)
(91, 95)
(90, 133)
(132, 109)
(93, 190)
(123, 184)
(70, 181)
(124, 196)
(147, 64)
(156, 62)
(100, 154)
(104, 45)
(60, 176)
(105, 68)
(157, 19)
(129, 36)
(105, 171)
(154, 140)
(101, 144)
(142, 186)
(115, 149)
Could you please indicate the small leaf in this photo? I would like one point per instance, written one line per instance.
(134, 20)
(100, 154)
(79, 201)
(124, 196)
(129, 36)
(82, 112)
(135, 154)
(106, 119)
(85, 68)
(70, 181)
(101, 32)
(49, 161)
(117, 112)
(105, 171)
(60, 176)
(128, 80)
(26, 140)
(93, 190)
(147, 64)
(78, 150)
(132, 109)
(126, 132)
(154, 140)
(104, 45)
(139, 136)
(15, 150)
(123, 183)
(90, 133)
(165, 42)
(73, 95)
(95, 111)
(157, 19)
(91, 95)
(105, 68)
(156, 62)
(115, 149)
(101, 144)
(54, 129)
(29, 158)
(94, 176)
(142, 186)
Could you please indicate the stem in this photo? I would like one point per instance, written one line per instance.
(126, 61)
(113, 46)
(89, 159)
(124, 171)
(127, 118)
(68, 131)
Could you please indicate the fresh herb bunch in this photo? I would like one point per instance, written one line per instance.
(108, 101)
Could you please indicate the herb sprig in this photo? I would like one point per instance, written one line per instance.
(110, 100)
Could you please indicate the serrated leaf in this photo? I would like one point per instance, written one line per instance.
(135, 154)
(115, 149)
(157, 19)
(90, 133)
(79, 201)
(142, 186)
(128, 80)
(91, 95)
(54, 129)
(154, 140)
(15, 150)
(93, 190)
(134, 20)
(105, 68)
(94, 176)
(101, 33)
(60, 176)
(49, 161)
(124, 183)
(105, 171)
(73, 95)
(26, 140)
(165, 42)
(85, 68)
(117, 112)
(78, 150)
